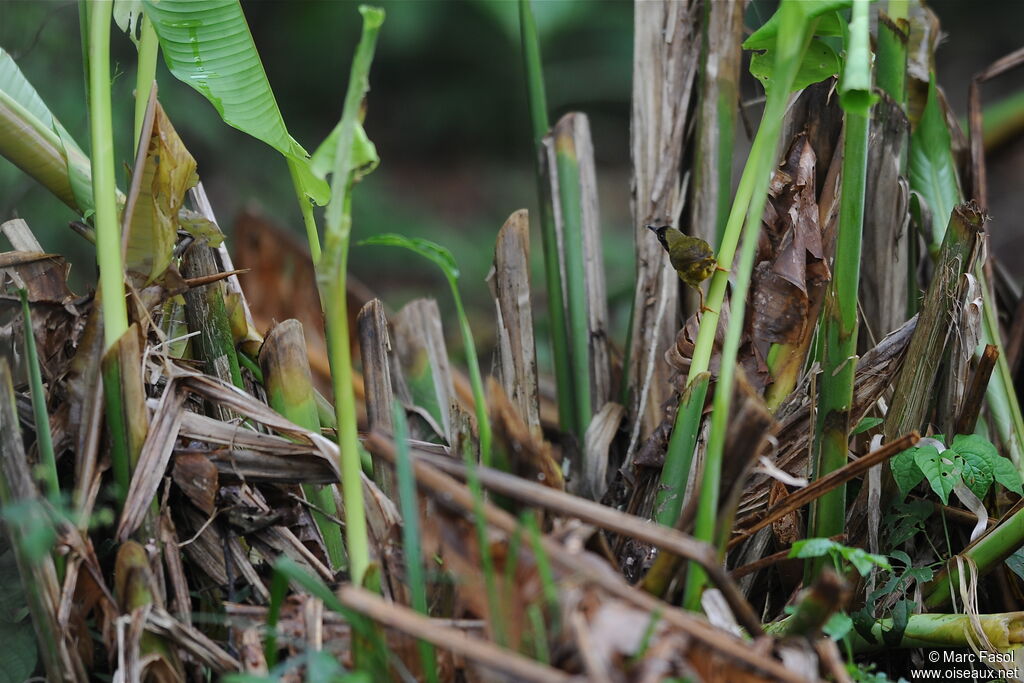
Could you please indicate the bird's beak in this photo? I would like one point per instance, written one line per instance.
(653, 228)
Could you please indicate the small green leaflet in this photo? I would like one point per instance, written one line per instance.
(861, 560)
(939, 470)
(425, 248)
(971, 459)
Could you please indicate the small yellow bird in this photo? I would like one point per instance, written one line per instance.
(692, 257)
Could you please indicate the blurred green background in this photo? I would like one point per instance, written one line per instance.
(447, 112)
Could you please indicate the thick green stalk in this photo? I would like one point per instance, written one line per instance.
(104, 185)
(149, 46)
(331, 274)
(44, 439)
(537, 99)
(987, 554)
(839, 315)
(289, 385)
(411, 549)
(793, 36)
(575, 280)
(794, 33)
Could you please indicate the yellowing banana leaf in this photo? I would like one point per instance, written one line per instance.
(156, 197)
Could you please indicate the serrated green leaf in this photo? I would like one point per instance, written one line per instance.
(838, 625)
(207, 45)
(819, 62)
(425, 248)
(905, 470)
(932, 168)
(938, 472)
(18, 655)
(830, 23)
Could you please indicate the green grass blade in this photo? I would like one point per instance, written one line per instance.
(537, 99)
(411, 548)
(44, 439)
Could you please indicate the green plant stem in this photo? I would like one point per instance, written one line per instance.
(835, 397)
(537, 99)
(753, 182)
(278, 592)
(568, 170)
(104, 186)
(44, 439)
(987, 554)
(145, 73)
(830, 447)
(794, 34)
(308, 217)
(331, 274)
(412, 551)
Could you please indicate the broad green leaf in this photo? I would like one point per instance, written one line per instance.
(167, 174)
(1006, 474)
(33, 139)
(425, 248)
(973, 447)
(931, 165)
(207, 44)
(820, 61)
(838, 625)
(905, 470)
(939, 473)
(18, 655)
(976, 471)
(830, 23)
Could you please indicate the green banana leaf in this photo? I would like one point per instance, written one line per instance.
(207, 45)
(33, 139)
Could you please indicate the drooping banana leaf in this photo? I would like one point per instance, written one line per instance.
(207, 45)
(33, 139)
